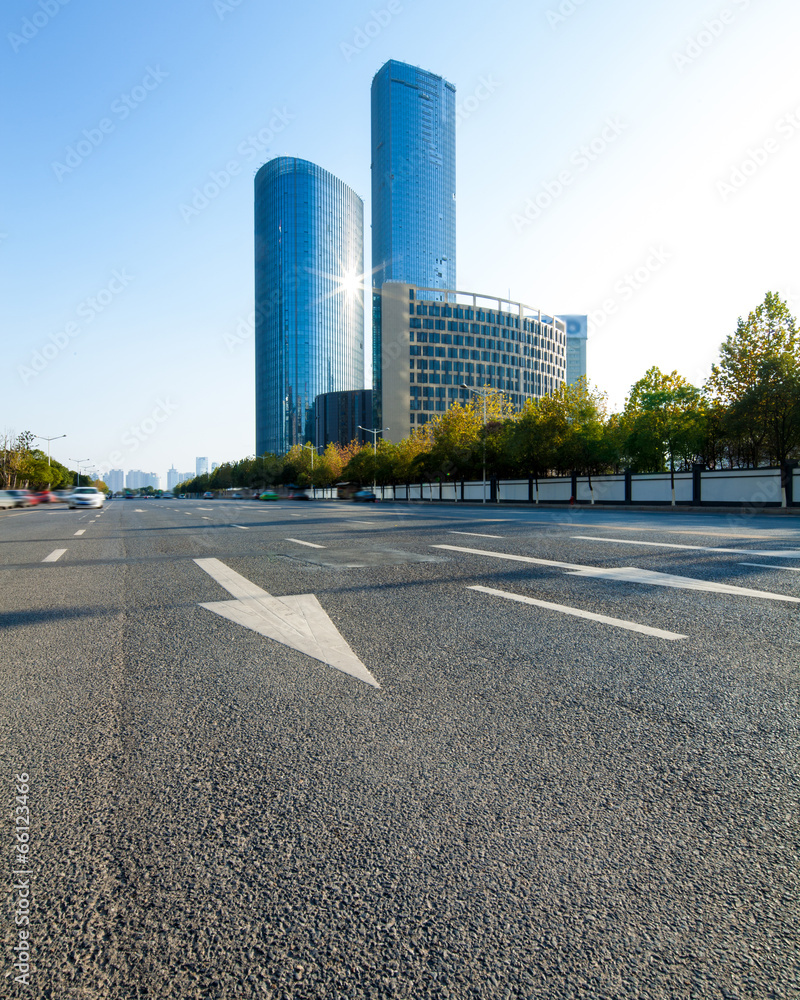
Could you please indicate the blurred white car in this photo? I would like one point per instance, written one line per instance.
(86, 496)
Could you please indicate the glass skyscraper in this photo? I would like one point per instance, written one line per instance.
(309, 297)
(413, 177)
(413, 191)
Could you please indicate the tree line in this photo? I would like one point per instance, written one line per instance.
(746, 415)
(24, 467)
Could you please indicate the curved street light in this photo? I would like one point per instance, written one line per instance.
(374, 432)
(41, 437)
(486, 391)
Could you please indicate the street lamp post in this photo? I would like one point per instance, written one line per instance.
(482, 392)
(78, 464)
(48, 440)
(374, 432)
(313, 448)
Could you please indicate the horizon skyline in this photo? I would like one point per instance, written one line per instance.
(638, 172)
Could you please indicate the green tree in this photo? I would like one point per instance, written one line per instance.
(665, 420)
(768, 332)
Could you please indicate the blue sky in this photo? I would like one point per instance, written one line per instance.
(636, 162)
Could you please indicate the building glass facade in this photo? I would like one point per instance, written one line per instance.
(309, 297)
(413, 177)
(432, 348)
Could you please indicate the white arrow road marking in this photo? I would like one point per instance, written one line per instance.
(630, 574)
(54, 556)
(578, 613)
(298, 621)
(783, 554)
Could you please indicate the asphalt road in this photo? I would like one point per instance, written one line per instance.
(511, 801)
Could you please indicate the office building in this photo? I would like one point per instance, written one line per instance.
(428, 349)
(413, 177)
(340, 416)
(577, 335)
(201, 466)
(309, 297)
(173, 478)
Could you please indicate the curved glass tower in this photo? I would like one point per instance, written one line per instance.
(309, 297)
(413, 177)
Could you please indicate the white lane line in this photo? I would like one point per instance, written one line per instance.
(241, 527)
(354, 520)
(631, 574)
(204, 518)
(311, 545)
(474, 534)
(80, 532)
(297, 515)
(138, 510)
(589, 615)
(204, 508)
(787, 569)
(785, 554)
(54, 556)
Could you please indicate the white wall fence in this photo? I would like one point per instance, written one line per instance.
(701, 487)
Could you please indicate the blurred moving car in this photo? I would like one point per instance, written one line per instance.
(208, 496)
(7, 500)
(24, 498)
(85, 496)
(45, 496)
(364, 496)
(267, 495)
(299, 494)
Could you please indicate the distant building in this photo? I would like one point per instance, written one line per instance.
(338, 416)
(173, 478)
(138, 480)
(115, 480)
(413, 118)
(309, 297)
(577, 335)
(426, 350)
(201, 466)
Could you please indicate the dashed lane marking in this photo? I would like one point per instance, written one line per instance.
(311, 545)
(54, 556)
(241, 527)
(787, 569)
(631, 574)
(82, 530)
(565, 609)
(473, 534)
